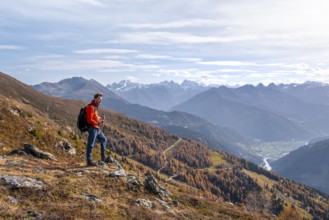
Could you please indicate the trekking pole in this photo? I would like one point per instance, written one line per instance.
(103, 119)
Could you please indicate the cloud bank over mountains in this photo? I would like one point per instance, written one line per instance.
(235, 42)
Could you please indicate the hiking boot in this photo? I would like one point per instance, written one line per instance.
(108, 159)
(91, 164)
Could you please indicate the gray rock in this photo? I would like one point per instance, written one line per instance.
(24, 100)
(102, 164)
(81, 172)
(40, 170)
(33, 214)
(12, 199)
(165, 206)
(151, 184)
(144, 202)
(133, 180)
(118, 173)
(36, 152)
(117, 164)
(175, 203)
(14, 111)
(19, 182)
(66, 146)
(70, 130)
(109, 159)
(92, 198)
(162, 203)
(17, 152)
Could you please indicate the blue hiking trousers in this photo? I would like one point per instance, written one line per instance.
(93, 134)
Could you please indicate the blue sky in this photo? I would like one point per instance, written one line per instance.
(209, 41)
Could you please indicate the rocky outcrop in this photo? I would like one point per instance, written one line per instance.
(28, 214)
(133, 180)
(151, 184)
(12, 199)
(118, 173)
(30, 149)
(92, 198)
(19, 182)
(144, 203)
(17, 152)
(36, 152)
(66, 146)
(26, 101)
(165, 206)
(109, 159)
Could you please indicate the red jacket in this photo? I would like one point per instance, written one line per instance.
(92, 115)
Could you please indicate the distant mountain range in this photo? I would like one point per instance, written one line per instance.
(180, 123)
(308, 164)
(260, 112)
(281, 112)
(285, 112)
(312, 92)
(161, 96)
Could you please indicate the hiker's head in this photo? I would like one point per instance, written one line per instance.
(98, 98)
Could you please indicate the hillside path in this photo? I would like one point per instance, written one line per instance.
(164, 154)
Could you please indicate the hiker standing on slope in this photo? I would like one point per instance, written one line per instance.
(94, 132)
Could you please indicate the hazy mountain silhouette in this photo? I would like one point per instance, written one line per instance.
(237, 109)
(313, 117)
(77, 88)
(308, 164)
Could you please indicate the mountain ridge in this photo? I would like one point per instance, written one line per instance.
(160, 96)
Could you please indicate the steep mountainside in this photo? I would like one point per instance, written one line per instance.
(184, 124)
(196, 182)
(161, 96)
(222, 107)
(308, 164)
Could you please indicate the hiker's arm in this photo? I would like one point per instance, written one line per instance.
(90, 116)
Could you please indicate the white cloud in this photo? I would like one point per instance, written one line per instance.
(177, 38)
(90, 65)
(165, 57)
(177, 24)
(228, 63)
(107, 51)
(132, 78)
(153, 56)
(11, 47)
(94, 3)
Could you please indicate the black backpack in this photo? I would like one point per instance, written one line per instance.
(82, 120)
